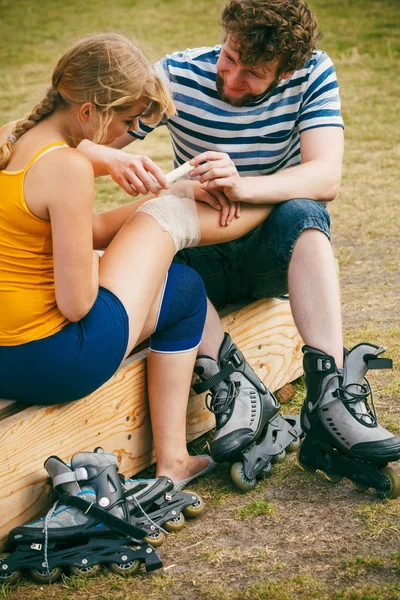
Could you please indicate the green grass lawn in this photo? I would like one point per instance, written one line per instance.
(294, 536)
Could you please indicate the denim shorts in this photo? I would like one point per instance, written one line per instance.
(256, 265)
(73, 362)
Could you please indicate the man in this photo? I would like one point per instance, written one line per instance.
(259, 119)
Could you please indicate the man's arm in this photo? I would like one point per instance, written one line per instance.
(318, 177)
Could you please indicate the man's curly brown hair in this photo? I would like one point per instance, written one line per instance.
(262, 30)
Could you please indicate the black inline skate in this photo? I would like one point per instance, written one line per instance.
(88, 526)
(342, 434)
(156, 507)
(249, 431)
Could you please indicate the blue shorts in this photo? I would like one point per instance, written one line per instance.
(71, 363)
(256, 265)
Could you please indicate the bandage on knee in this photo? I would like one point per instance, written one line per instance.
(175, 211)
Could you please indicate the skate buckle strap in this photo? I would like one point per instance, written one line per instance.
(80, 474)
(201, 386)
(377, 363)
(119, 525)
(323, 364)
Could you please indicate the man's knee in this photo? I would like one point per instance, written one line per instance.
(289, 219)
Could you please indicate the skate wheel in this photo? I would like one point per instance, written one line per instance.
(155, 539)
(265, 471)
(10, 577)
(394, 481)
(302, 465)
(358, 486)
(293, 446)
(176, 524)
(84, 571)
(240, 479)
(278, 457)
(332, 478)
(127, 568)
(42, 576)
(196, 509)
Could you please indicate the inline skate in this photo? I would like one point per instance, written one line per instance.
(156, 507)
(342, 434)
(88, 526)
(249, 431)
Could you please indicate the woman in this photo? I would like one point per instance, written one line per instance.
(68, 318)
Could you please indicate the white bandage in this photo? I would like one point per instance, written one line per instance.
(180, 172)
(175, 211)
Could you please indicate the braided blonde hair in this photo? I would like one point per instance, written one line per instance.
(107, 70)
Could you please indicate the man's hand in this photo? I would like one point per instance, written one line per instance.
(218, 172)
(217, 200)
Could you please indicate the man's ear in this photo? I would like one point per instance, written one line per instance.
(86, 110)
(286, 74)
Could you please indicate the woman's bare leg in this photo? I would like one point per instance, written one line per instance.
(136, 277)
(169, 380)
(134, 267)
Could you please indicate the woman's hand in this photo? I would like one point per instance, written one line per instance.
(136, 174)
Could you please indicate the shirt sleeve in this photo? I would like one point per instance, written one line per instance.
(321, 101)
(161, 68)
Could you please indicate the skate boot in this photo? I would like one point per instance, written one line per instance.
(89, 525)
(342, 434)
(156, 507)
(249, 431)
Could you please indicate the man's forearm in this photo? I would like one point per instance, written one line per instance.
(309, 180)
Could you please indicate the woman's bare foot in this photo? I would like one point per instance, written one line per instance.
(185, 468)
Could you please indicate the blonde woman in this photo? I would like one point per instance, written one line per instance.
(68, 318)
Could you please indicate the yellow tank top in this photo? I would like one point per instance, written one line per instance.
(28, 308)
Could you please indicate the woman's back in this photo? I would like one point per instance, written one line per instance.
(28, 308)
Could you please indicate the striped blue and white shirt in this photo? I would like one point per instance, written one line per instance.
(261, 138)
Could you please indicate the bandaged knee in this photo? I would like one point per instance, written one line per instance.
(175, 211)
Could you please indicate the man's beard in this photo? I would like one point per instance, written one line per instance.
(247, 99)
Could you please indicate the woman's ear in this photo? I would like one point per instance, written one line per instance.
(86, 110)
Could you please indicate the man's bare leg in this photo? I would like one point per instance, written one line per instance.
(314, 294)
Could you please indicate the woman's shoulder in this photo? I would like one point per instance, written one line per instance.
(63, 164)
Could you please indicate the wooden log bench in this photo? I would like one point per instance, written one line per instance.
(116, 416)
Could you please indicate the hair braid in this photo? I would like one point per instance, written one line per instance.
(106, 70)
(39, 112)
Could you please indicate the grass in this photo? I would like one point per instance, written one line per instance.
(295, 536)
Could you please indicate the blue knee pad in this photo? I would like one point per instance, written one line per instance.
(182, 313)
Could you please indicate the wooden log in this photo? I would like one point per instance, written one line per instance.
(116, 416)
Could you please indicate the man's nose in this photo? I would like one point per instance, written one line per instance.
(234, 77)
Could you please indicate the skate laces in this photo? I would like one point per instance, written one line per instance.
(220, 401)
(46, 536)
(358, 399)
(147, 516)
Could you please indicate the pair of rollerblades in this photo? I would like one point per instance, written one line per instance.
(250, 432)
(342, 434)
(99, 518)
